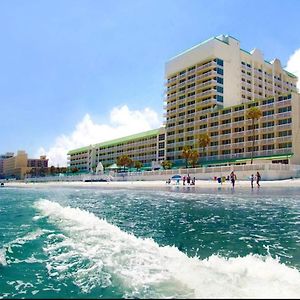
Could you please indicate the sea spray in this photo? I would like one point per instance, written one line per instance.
(94, 252)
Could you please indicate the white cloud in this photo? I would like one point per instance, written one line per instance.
(122, 122)
(293, 65)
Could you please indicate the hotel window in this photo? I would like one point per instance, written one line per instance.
(268, 147)
(219, 80)
(268, 124)
(226, 111)
(215, 133)
(226, 131)
(239, 140)
(215, 114)
(226, 142)
(220, 71)
(227, 121)
(268, 136)
(226, 152)
(219, 89)
(284, 109)
(216, 143)
(285, 121)
(219, 61)
(268, 112)
(219, 98)
(214, 124)
(249, 149)
(239, 108)
(285, 145)
(237, 119)
(161, 145)
(239, 150)
(268, 101)
(161, 152)
(285, 133)
(250, 138)
(239, 129)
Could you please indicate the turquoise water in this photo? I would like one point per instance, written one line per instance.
(91, 243)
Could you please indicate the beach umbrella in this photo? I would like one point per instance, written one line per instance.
(113, 167)
(175, 177)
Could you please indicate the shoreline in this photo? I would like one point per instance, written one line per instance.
(200, 184)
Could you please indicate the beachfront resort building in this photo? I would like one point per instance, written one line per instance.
(16, 166)
(146, 147)
(209, 88)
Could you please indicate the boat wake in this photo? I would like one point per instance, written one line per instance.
(94, 253)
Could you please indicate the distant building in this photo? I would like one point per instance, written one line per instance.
(2, 157)
(17, 166)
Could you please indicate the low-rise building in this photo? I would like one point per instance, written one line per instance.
(19, 165)
(2, 157)
(146, 147)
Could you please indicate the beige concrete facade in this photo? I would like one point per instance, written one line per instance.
(209, 89)
(2, 158)
(17, 166)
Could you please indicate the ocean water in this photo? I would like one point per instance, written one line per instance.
(92, 243)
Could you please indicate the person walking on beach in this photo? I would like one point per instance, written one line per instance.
(183, 180)
(258, 178)
(252, 180)
(232, 178)
(188, 180)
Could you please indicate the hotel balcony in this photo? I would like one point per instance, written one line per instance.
(207, 65)
(283, 103)
(206, 75)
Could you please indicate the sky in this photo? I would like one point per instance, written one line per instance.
(74, 73)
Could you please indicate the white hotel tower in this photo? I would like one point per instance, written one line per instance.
(209, 89)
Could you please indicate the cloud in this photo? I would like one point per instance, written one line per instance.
(293, 65)
(122, 122)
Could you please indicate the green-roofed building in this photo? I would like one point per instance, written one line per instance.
(209, 89)
(146, 147)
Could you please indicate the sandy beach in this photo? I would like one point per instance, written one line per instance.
(154, 184)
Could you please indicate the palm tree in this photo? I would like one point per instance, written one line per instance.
(124, 161)
(253, 113)
(166, 164)
(52, 170)
(186, 154)
(138, 165)
(204, 141)
(194, 156)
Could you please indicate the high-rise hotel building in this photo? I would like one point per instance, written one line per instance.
(208, 90)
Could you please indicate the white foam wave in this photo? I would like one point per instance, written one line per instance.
(3, 261)
(18, 242)
(95, 253)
